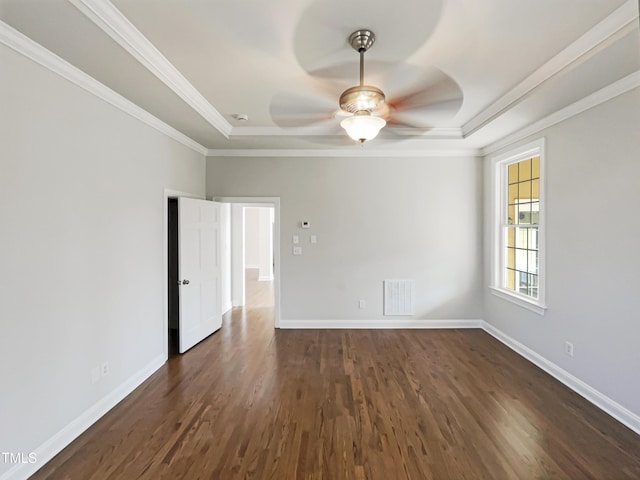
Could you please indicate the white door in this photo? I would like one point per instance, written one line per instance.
(198, 270)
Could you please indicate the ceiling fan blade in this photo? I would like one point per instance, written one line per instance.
(322, 31)
(291, 110)
(435, 99)
(427, 115)
(349, 71)
(311, 103)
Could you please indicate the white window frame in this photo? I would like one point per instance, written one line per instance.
(499, 196)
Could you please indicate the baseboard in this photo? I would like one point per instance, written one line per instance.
(68, 434)
(385, 323)
(617, 411)
(252, 267)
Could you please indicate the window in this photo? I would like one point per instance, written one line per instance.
(518, 242)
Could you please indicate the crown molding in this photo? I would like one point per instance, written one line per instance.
(621, 21)
(279, 132)
(448, 133)
(107, 17)
(453, 133)
(356, 151)
(605, 94)
(37, 53)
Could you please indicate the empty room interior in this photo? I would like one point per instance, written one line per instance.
(320, 239)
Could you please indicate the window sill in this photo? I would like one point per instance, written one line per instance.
(518, 300)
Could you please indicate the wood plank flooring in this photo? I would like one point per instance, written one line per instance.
(253, 402)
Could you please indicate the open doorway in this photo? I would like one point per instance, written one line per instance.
(258, 257)
(268, 290)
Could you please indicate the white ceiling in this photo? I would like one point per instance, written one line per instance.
(194, 64)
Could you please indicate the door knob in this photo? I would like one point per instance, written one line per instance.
(185, 282)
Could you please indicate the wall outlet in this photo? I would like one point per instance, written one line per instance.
(568, 348)
(362, 304)
(95, 375)
(104, 369)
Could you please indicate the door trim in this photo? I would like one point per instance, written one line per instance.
(266, 202)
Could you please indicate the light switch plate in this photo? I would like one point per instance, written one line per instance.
(313, 239)
(297, 250)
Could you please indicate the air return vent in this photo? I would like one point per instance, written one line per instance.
(398, 297)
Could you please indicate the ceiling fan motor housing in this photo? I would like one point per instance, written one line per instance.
(361, 98)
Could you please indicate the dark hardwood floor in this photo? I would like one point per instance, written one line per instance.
(253, 402)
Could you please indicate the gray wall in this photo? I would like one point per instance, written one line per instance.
(82, 248)
(375, 218)
(593, 258)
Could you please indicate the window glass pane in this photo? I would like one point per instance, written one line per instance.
(511, 258)
(533, 239)
(511, 237)
(513, 193)
(524, 170)
(524, 192)
(535, 167)
(535, 213)
(510, 280)
(532, 261)
(513, 173)
(521, 260)
(521, 238)
(532, 281)
(511, 215)
(524, 214)
(523, 283)
(535, 190)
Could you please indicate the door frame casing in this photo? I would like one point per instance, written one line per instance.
(273, 202)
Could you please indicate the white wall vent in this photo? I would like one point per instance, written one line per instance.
(398, 297)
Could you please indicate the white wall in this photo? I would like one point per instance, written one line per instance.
(82, 248)
(375, 218)
(237, 255)
(265, 227)
(593, 258)
(225, 261)
(258, 241)
(252, 237)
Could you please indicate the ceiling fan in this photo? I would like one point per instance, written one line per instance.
(435, 99)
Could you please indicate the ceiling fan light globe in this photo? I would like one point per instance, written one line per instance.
(363, 127)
